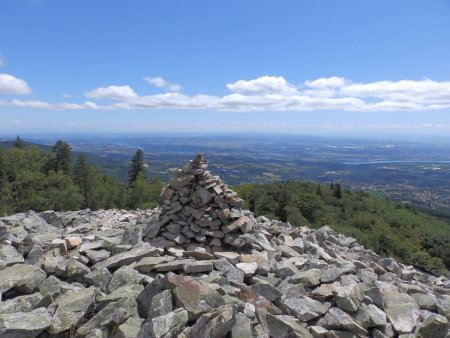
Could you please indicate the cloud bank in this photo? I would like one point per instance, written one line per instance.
(266, 93)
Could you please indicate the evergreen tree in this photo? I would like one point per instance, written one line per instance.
(137, 167)
(337, 191)
(319, 190)
(18, 143)
(83, 178)
(61, 159)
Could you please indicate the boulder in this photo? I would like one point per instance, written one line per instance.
(22, 278)
(194, 295)
(169, 325)
(110, 317)
(71, 309)
(24, 324)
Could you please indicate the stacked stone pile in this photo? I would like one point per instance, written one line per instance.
(199, 211)
(95, 274)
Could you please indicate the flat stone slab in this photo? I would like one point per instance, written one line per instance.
(148, 264)
(196, 267)
(24, 324)
(128, 257)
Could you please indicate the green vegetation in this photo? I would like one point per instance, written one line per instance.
(35, 179)
(388, 228)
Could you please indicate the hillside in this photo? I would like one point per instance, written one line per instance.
(203, 266)
(386, 227)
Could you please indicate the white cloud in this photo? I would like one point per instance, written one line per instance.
(263, 85)
(272, 93)
(326, 82)
(159, 82)
(112, 93)
(13, 85)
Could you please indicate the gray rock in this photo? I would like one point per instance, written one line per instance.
(286, 326)
(110, 317)
(338, 319)
(147, 264)
(25, 303)
(305, 308)
(169, 325)
(331, 274)
(129, 290)
(242, 327)
(229, 271)
(262, 241)
(161, 304)
(308, 278)
(370, 316)
(129, 329)
(349, 297)
(216, 323)
(35, 256)
(265, 289)
(76, 270)
(194, 295)
(401, 309)
(128, 257)
(435, 326)
(175, 265)
(98, 277)
(285, 269)
(196, 267)
(71, 308)
(144, 299)
(9, 255)
(51, 260)
(96, 256)
(22, 278)
(425, 301)
(123, 276)
(53, 287)
(132, 235)
(24, 324)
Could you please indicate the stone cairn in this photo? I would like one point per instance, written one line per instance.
(200, 211)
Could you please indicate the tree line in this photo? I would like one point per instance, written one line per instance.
(32, 179)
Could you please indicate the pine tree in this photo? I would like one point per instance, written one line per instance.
(82, 177)
(18, 143)
(337, 192)
(137, 167)
(61, 159)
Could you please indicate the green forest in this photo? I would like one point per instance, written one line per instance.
(34, 179)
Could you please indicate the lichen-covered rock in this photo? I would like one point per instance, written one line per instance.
(288, 326)
(194, 295)
(71, 308)
(21, 277)
(169, 325)
(110, 317)
(24, 324)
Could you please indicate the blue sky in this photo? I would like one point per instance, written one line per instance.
(320, 67)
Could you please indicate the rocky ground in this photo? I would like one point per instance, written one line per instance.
(202, 267)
